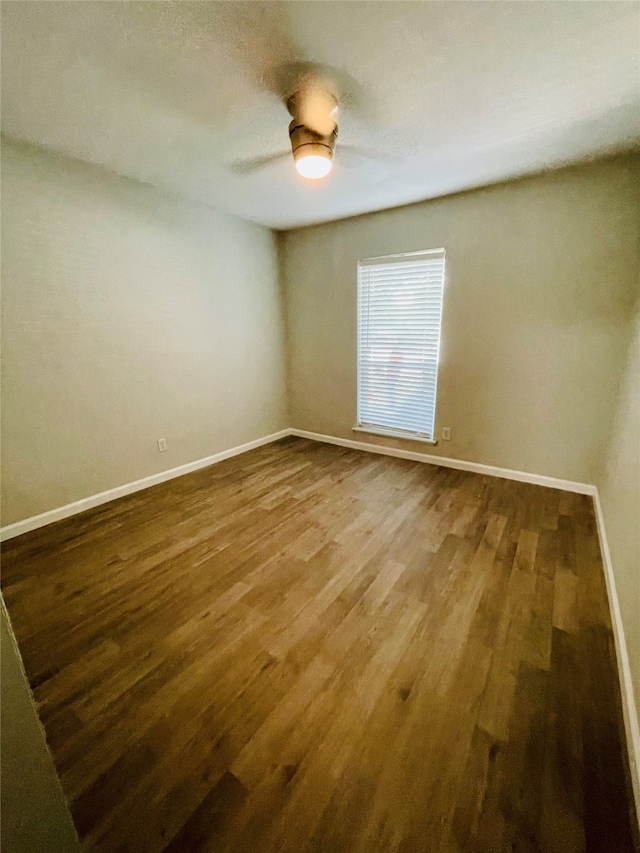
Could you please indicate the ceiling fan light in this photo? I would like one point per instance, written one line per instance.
(313, 166)
(312, 151)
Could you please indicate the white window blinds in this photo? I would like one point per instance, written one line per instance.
(399, 315)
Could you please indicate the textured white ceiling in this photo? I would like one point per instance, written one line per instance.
(463, 93)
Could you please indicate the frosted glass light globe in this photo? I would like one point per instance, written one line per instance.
(313, 166)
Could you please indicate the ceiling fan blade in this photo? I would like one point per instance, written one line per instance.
(356, 152)
(247, 167)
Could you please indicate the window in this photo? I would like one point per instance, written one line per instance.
(399, 316)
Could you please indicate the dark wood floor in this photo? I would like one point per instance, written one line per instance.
(308, 648)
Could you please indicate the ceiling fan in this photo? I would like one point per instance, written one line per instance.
(312, 94)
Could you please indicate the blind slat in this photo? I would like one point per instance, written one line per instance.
(399, 324)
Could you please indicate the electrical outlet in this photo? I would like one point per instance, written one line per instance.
(162, 444)
(446, 433)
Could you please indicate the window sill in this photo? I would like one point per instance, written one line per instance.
(392, 433)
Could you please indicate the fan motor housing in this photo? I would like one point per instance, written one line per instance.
(305, 141)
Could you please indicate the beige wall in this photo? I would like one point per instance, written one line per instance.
(540, 279)
(619, 489)
(128, 315)
(35, 815)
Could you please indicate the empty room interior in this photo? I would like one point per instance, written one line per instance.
(320, 427)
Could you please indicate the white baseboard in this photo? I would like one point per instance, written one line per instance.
(57, 514)
(446, 462)
(76, 507)
(629, 710)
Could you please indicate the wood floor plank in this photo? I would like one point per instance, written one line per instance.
(311, 649)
